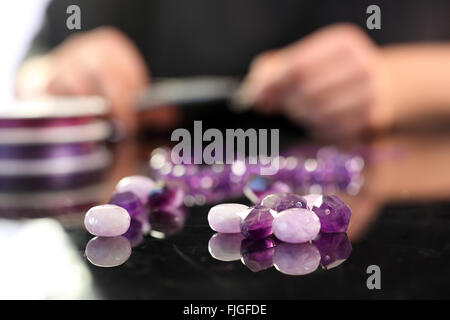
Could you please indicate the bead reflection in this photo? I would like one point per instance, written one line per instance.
(296, 259)
(334, 249)
(108, 252)
(327, 250)
(257, 255)
(225, 246)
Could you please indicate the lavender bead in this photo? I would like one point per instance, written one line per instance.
(334, 249)
(107, 220)
(129, 201)
(296, 259)
(282, 201)
(296, 225)
(139, 185)
(225, 247)
(333, 213)
(258, 223)
(108, 252)
(167, 197)
(226, 217)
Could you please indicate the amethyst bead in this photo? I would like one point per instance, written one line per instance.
(167, 197)
(259, 187)
(107, 220)
(296, 225)
(225, 247)
(129, 201)
(258, 223)
(226, 217)
(259, 260)
(333, 213)
(139, 185)
(334, 249)
(282, 201)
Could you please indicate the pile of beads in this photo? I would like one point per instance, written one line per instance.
(133, 196)
(289, 217)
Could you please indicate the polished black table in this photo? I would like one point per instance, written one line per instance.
(401, 223)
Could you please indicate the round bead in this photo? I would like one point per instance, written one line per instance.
(296, 259)
(108, 252)
(226, 217)
(139, 185)
(296, 225)
(107, 220)
(129, 201)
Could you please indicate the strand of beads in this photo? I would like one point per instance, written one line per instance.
(289, 217)
(303, 170)
(134, 196)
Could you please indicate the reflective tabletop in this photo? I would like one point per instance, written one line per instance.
(400, 228)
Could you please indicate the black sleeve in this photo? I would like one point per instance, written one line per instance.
(54, 29)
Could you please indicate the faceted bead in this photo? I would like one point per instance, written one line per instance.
(334, 249)
(139, 185)
(108, 252)
(225, 247)
(296, 259)
(107, 220)
(257, 188)
(127, 200)
(333, 213)
(282, 201)
(310, 198)
(296, 225)
(258, 223)
(167, 197)
(226, 217)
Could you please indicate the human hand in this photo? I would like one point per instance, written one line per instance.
(333, 81)
(102, 62)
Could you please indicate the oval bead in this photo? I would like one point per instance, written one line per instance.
(226, 217)
(225, 247)
(139, 185)
(107, 220)
(296, 225)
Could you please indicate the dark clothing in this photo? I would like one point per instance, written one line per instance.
(220, 37)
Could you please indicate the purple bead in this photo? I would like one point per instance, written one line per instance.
(259, 187)
(107, 220)
(167, 223)
(334, 249)
(282, 201)
(252, 245)
(127, 200)
(258, 223)
(139, 185)
(333, 213)
(166, 198)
